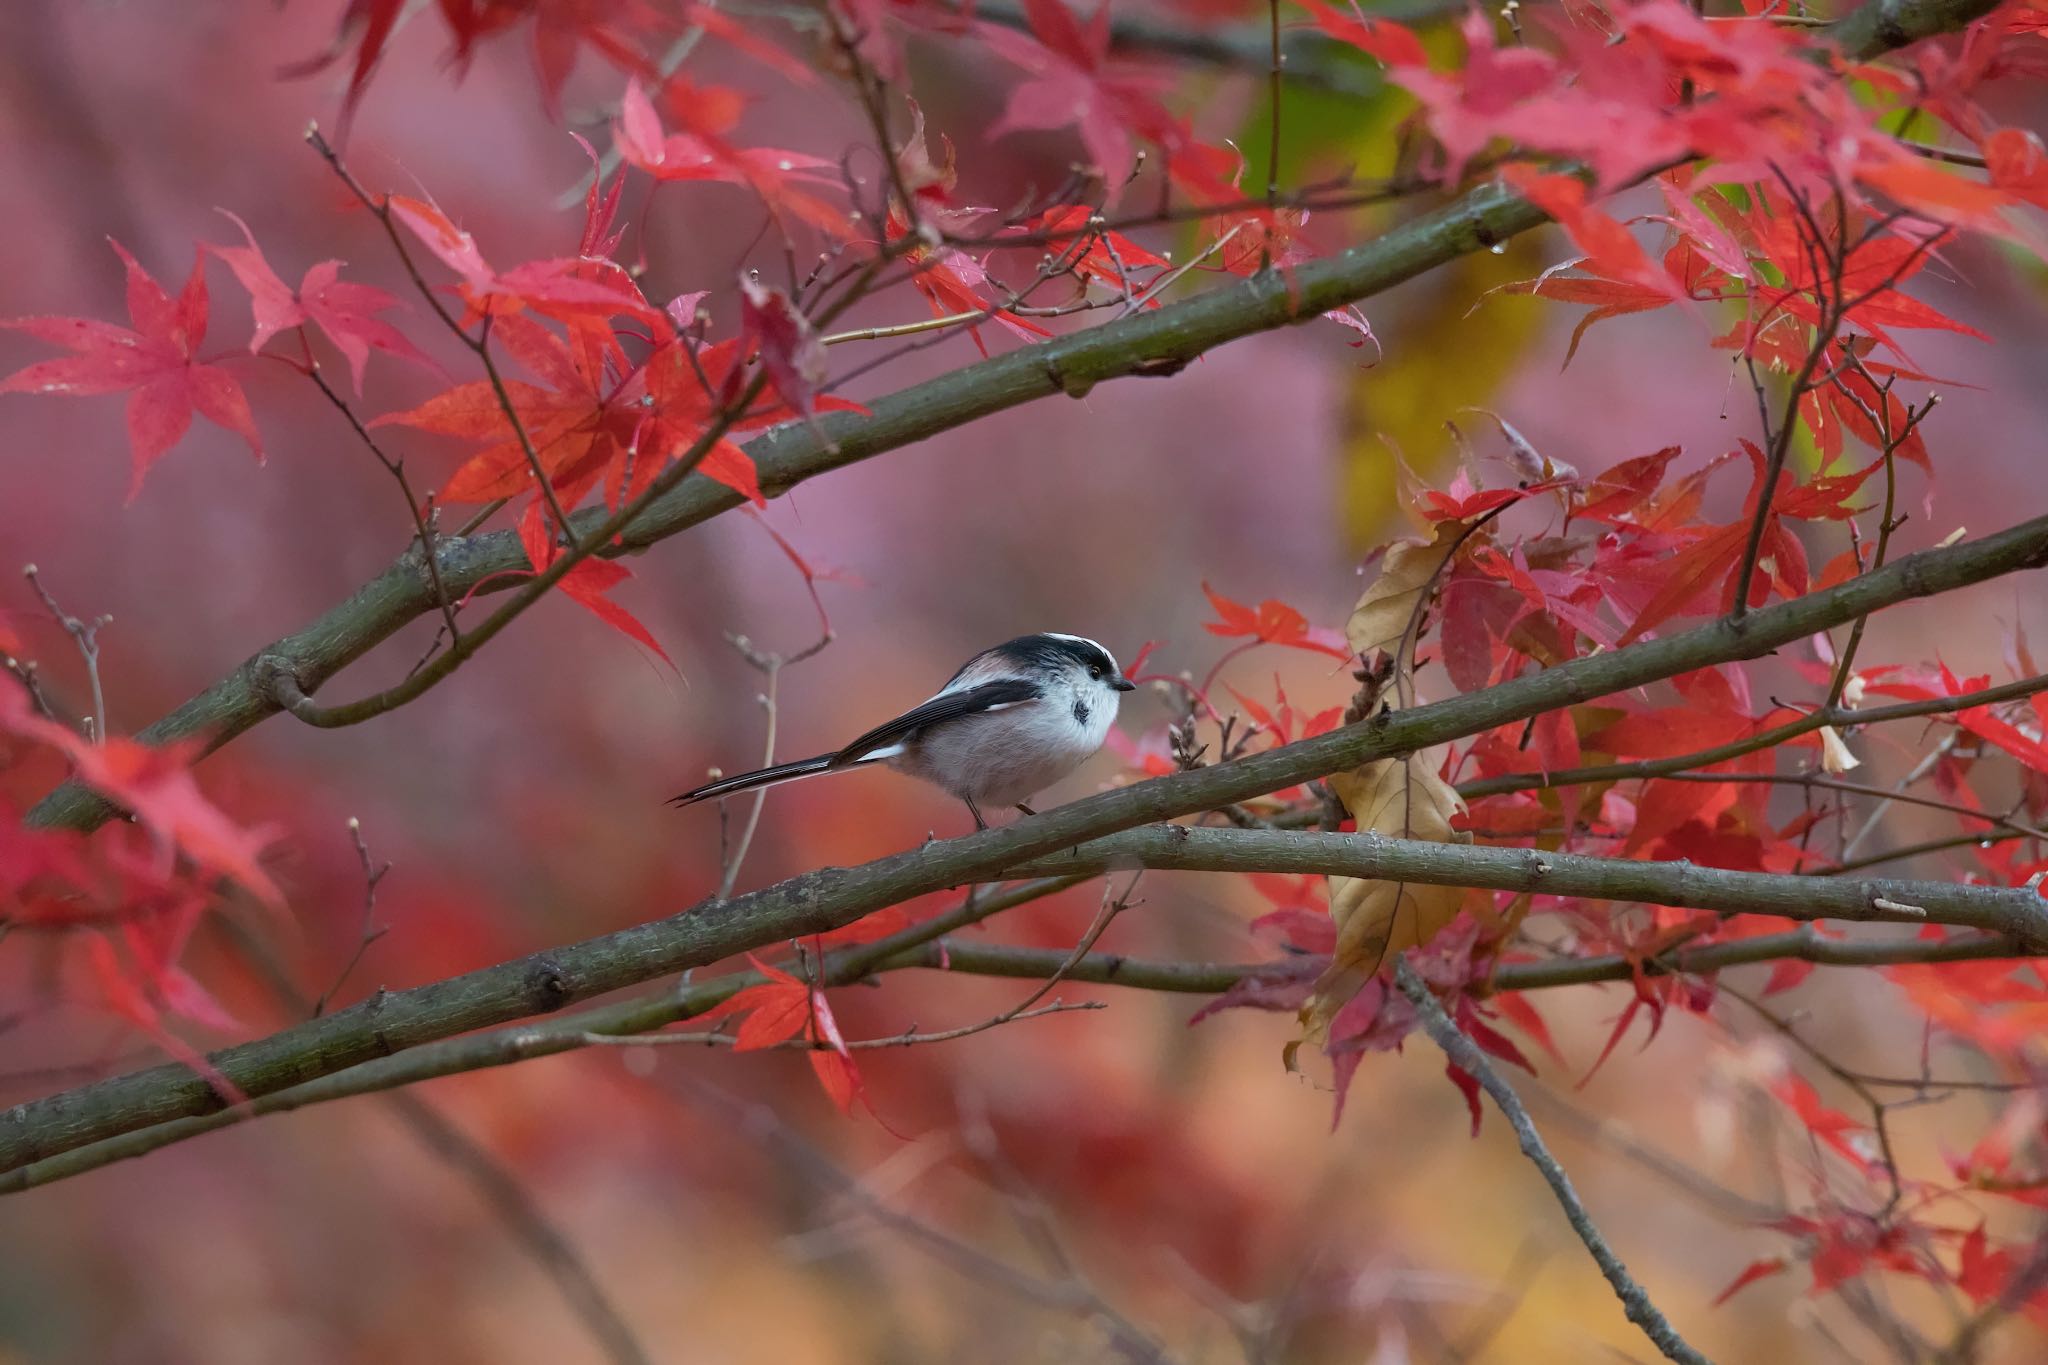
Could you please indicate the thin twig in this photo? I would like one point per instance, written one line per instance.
(872, 94)
(422, 521)
(908, 1038)
(379, 207)
(766, 1128)
(518, 1210)
(87, 636)
(371, 931)
(772, 666)
(1467, 1057)
(1840, 717)
(1879, 1109)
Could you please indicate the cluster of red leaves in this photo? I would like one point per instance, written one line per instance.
(616, 29)
(599, 417)
(1620, 89)
(1775, 260)
(1624, 89)
(127, 899)
(1629, 554)
(1272, 623)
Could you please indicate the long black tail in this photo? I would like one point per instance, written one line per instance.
(763, 777)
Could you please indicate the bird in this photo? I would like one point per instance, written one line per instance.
(1013, 720)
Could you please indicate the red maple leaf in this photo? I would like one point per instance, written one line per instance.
(578, 425)
(2018, 164)
(1108, 256)
(1612, 252)
(572, 289)
(561, 29)
(791, 352)
(347, 313)
(778, 176)
(685, 393)
(1072, 83)
(129, 1001)
(1982, 1270)
(783, 1008)
(1607, 298)
(1828, 1125)
(1273, 622)
(366, 22)
(588, 583)
(156, 360)
(1751, 1273)
(952, 283)
(156, 785)
(586, 426)
(1982, 721)
(1392, 44)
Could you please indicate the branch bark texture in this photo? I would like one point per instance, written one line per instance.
(832, 897)
(968, 957)
(2016, 912)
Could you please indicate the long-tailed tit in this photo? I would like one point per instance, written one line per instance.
(1014, 720)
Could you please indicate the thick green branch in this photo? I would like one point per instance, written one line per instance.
(2015, 912)
(1803, 944)
(1883, 26)
(832, 897)
(503, 1047)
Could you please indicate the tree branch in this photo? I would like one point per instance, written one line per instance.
(1466, 1056)
(829, 898)
(2015, 912)
(1883, 26)
(504, 1047)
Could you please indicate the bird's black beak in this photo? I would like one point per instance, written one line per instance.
(1123, 684)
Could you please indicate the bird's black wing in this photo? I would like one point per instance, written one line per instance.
(967, 701)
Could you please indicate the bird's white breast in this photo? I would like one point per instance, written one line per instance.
(1006, 755)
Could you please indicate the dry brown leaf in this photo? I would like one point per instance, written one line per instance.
(1388, 605)
(1376, 920)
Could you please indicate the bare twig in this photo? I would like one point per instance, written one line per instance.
(529, 1224)
(908, 1038)
(1467, 1057)
(771, 666)
(371, 930)
(86, 634)
(1879, 1109)
(423, 521)
(764, 1126)
(1273, 102)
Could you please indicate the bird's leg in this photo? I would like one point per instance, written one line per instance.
(975, 811)
(1026, 809)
